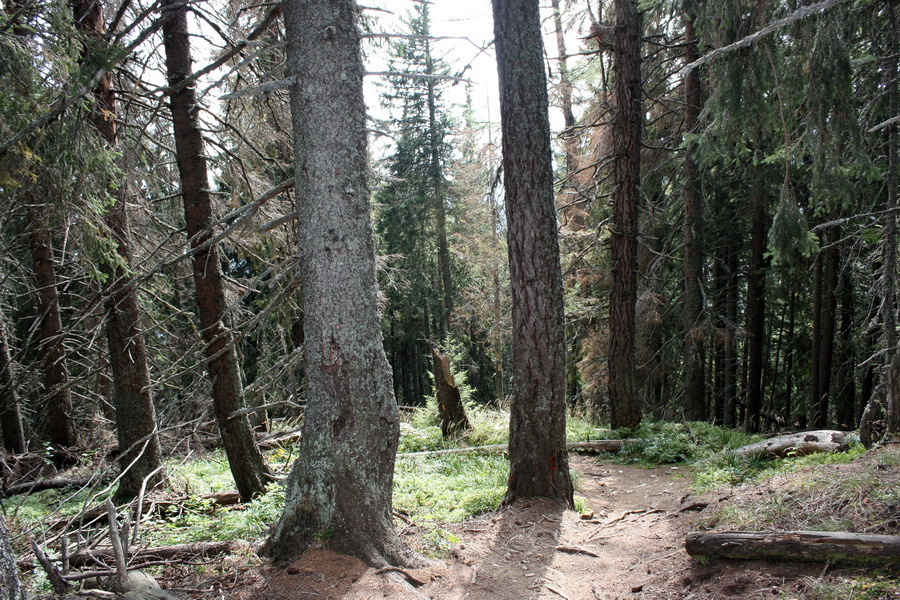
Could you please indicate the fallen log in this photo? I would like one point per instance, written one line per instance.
(31, 487)
(592, 446)
(797, 444)
(91, 558)
(799, 546)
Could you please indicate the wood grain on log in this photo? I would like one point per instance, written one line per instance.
(802, 546)
(797, 444)
(90, 558)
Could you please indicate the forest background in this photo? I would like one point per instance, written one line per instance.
(150, 233)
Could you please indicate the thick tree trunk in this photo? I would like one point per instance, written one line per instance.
(340, 486)
(756, 306)
(247, 467)
(10, 416)
(50, 335)
(624, 403)
(10, 586)
(694, 342)
(140, 457)
(805, 546)
(537, 453)
(450, 406)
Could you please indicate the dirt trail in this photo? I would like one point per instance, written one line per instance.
(629, 545)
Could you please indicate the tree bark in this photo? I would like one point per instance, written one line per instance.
(826, 333)
(340, 486)
(805, 546)
(140, 457)
(247, 466)
(10, 416)
(756, 305)
(845, 396)
(537, 453)
(624, 403)
(694, 337)
(50, 337)
(10, 586)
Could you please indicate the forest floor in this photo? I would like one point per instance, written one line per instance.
(628, 544)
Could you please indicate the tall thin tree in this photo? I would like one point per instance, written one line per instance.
(244, 458)
(624, 403)
(140, 456)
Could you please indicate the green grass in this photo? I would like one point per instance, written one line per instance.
(449, 488)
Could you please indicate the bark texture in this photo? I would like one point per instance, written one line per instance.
(694, 342)
(140, 457)
(50, 338)
(244, 458)
(10, 416)
(756, 306)
(814, 546)
(340, 486)
(10, 586)
(624, 404)
(820, 408)
(537, 451)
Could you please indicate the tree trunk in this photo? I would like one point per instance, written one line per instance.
(50, 335)
(10, 416)
(756, 305)
(845, 396)
(247, 467)
(814, 546)
(624, 404)
(826, 334)
(140, 457)
(537, 453)
(450, 406)
(340, 486)
(10, 586)
(694, 351)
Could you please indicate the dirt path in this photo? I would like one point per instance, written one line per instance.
(630, 544)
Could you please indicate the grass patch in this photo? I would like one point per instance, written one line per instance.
(821, 492)
(449, 488)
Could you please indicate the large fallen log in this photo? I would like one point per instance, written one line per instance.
(31, 487)
(92, 558)
(592, 446)
(797, 444)
(800, 546)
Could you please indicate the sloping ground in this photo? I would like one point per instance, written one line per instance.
(629, 545)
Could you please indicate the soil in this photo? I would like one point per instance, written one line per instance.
(629, 544)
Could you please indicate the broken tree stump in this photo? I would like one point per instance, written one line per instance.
(797, 444)
(800, 546)
(450, 406)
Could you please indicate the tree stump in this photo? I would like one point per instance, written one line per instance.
(450, 406)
